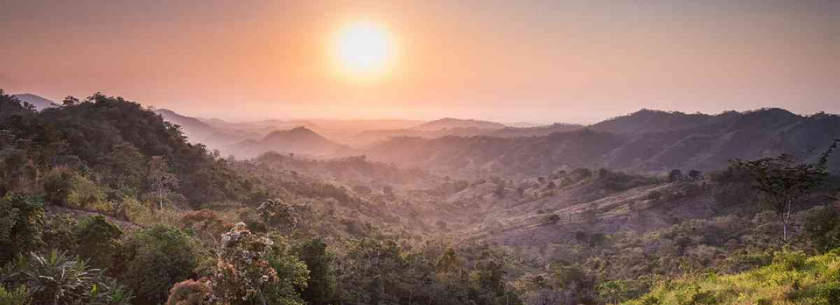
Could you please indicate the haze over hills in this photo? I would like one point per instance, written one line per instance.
(646, 141)
(704, 142)
(299, 140)
(552, 201)
(452, 123)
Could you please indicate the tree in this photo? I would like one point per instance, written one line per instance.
(252, 270)
(823, 226)
(695, 174)
(123, 169)
(675, 175)
(98, 241)
(157, 258)
(70, 101)
(784, 180)
(21, 226)
(161, 180)
(320, 288)
(276, 212)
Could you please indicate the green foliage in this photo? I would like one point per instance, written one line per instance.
(157, 258)
(21, 226)
(277, 213)
(321, 286)
(117, 139)
(57, 185)
(60, 232)
(56, 278)
(98, 242)
(19, 296)
(791, 279)
(253, 269)
(823, 226)
(613, 291)
(784, 180)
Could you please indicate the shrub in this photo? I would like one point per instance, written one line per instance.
(157, 258)
(56, 278)
(551, 219)
(191, 292)
(277, 213)
(60, 232)
(252, 268)
(57, 186)
(321, 286)
(19, 296)
(98, 241)
(21, 226)
(83, 192)
(823, 227)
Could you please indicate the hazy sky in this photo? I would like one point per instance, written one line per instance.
(538, 61)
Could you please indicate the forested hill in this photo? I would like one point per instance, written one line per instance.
(114, 140)
(646, 141)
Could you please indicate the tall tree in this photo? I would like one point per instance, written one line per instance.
(162, 181)
(784, 180)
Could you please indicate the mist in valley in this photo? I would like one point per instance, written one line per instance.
(397, 152)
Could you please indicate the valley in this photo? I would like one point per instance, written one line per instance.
(552, 217)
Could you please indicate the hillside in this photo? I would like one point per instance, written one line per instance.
(705, 143)
(535, 131)
(198, 131)
(300, 140)
(792, 278)
(450, 123)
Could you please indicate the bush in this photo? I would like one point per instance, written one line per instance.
(157, 258)
(83, 192)
(823, 227)
(321, 286)
(19, 296)
(191, 292)
(56, 278)
(60, 232)
(57, 186)
(21, 226)
(551, 219)
(98, 241)
(254, 268)
(276, 213)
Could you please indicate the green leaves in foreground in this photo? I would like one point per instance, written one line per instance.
(790, 279)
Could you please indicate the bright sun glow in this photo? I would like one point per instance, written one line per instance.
(364, 50)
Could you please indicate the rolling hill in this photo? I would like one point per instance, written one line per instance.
(645, 141)
(300, 140)
(198, 131)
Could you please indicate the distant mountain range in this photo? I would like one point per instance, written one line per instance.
(451, 123)
(645, 141)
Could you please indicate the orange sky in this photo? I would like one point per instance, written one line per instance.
(538, 61)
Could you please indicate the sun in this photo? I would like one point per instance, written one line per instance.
(364, 50)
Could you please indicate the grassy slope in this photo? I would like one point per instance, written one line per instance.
(791, 279)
